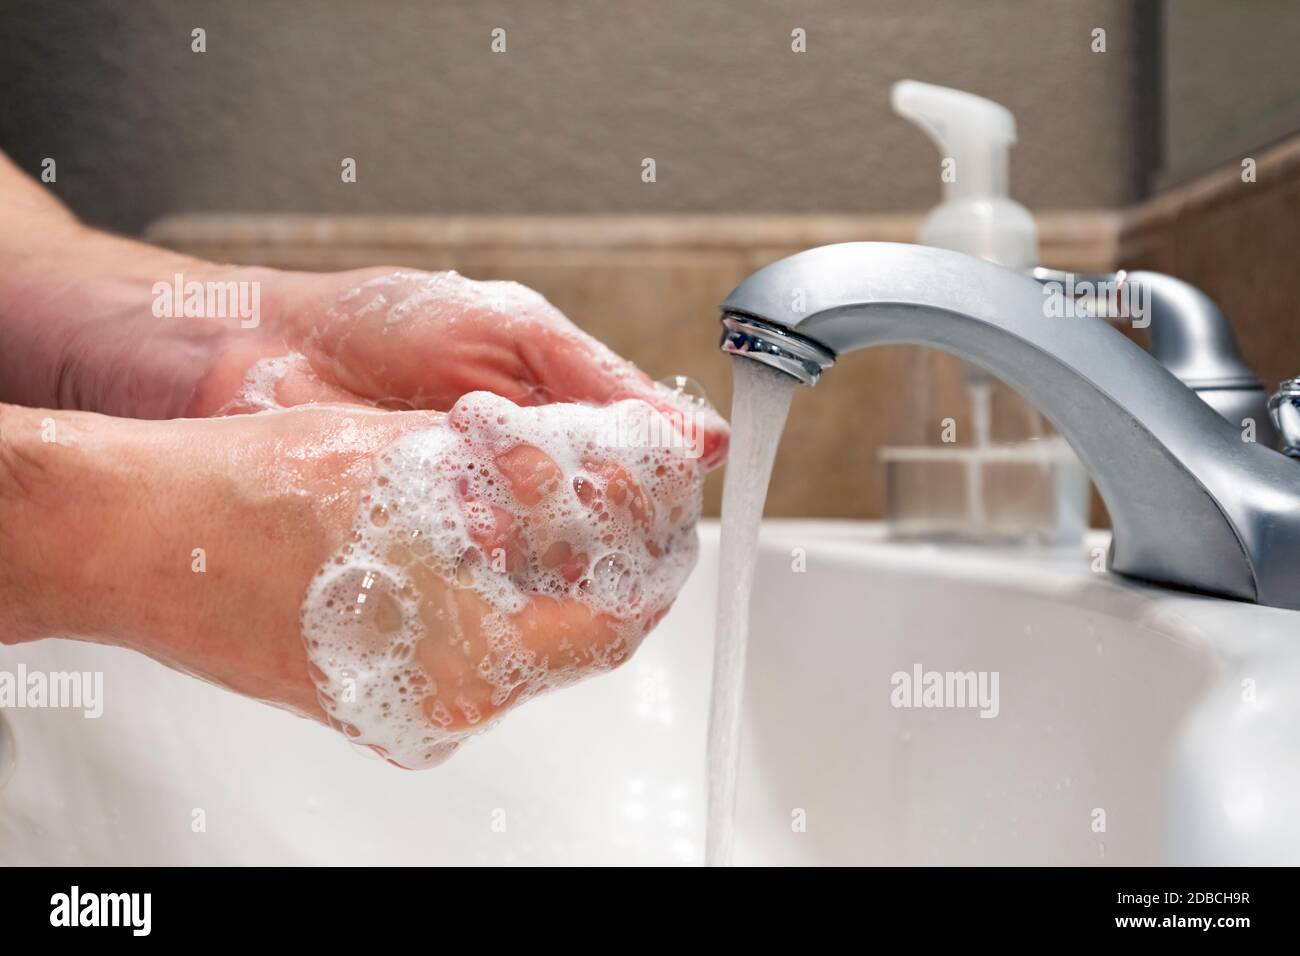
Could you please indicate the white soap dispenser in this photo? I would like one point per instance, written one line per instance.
(973, 135)
(1009, 478)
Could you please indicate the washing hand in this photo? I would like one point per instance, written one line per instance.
(244, 550)
(100, 323)
(218, 546)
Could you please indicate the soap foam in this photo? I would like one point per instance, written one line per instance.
(611, 528)
(258, 391)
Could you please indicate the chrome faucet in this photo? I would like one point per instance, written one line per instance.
(1194, 502)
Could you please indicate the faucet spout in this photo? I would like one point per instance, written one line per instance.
(1194, 503)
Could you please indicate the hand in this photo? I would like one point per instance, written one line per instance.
(516, 607)
(104, 528)
(93, 326)
(404, 339)
(89, 322)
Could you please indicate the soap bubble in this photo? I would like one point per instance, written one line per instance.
(614, 578)
(686, 390)
(377, 617)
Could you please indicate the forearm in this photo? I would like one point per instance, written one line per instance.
(78, 328)
(37, 229)
(152, 536)
(71, 487)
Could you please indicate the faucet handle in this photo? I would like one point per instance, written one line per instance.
(1284, 408)
(1185, 332)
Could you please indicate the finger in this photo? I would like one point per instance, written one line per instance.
(530, 472)
(532, 476)
(569, 365)
(498, 535)
(430, 338)
(622, 491)
(569, 634)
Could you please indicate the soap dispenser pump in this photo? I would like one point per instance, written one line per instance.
(974, 136)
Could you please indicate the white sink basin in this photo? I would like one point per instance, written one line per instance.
(1112, 698)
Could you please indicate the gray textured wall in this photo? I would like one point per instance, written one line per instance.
(1230, 80)
(140, 126)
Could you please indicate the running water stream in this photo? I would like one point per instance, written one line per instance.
(979, 388)
(759, 405)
